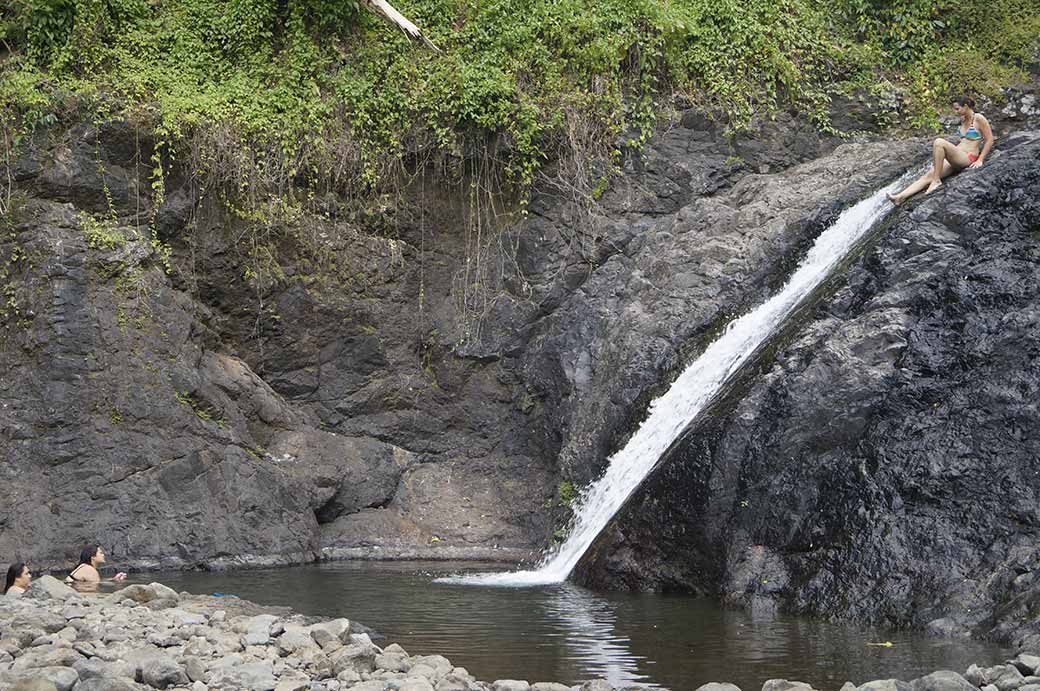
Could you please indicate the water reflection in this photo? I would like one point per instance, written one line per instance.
(589, 626)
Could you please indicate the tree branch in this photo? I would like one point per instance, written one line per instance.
(385, 10)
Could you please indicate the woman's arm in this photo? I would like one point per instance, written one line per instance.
(987, 140)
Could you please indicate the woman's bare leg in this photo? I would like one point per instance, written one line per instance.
(946, 158)
(911, 189)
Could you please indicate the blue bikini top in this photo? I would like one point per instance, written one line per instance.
(972, 134)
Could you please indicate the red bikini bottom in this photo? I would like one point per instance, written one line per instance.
(972, 158)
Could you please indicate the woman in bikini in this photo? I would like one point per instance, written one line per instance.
(949, 158)
(86, 572)
(18, 579)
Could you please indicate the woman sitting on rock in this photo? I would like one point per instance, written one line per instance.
(948, 158)
(18, 579)
(86, 571)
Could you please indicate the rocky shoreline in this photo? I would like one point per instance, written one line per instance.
(151, 637)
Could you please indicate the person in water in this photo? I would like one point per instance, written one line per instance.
(18, 579)
(970, 151)
(86, 571)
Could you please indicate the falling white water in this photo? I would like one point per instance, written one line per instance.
(670, 414)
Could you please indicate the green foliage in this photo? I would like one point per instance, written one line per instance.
(944, 48)
(567, 492)
(101, 234)
(269, 94)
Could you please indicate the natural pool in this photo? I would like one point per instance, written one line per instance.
(570, 634)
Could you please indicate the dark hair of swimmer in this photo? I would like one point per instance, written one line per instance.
(964, 101)
(13, 573)
(88, 553)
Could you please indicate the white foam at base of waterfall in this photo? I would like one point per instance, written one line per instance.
(691, 392)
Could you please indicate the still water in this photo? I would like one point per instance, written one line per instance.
(570, 634)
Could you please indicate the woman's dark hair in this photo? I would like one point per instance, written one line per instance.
(88, 553)
(14, 571)
(964, 101)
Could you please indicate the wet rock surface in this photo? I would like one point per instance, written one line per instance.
(182, 641)
(883, 464)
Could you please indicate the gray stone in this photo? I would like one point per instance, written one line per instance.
(49, 588)
(1027, 664)
(336, 628)
(415, 684)
(137, 592)
(194, 668)
(717, 686)
(162, 672)
(370, 685)
(947, 628)
(47, 656)
(294, 639)
(1005, 677)
(393, 662)
(884, 685)
(360, 657)
(97, 669)
(107, 684)
(553, 686)
(293, 685)
(63, 678)
(163, 592)
(943, 680)
(452, 683)
(785, 685)
(440, 664)
(32, 685)
(182, 617)
(510, 685)
(254, 676)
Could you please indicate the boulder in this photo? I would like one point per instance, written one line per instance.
(162, 671)
(785, 685)
(253, 676)
(95, 668)
(597, 685)
(32, 685)
(943, 680)
(1027, 664)
(62, 678)
(137, 592)
(415, 684)
(717, 686)
(107, 684)
(391, 662)
(359, 657)
(49, 588)
(47, 656)
(884, 685)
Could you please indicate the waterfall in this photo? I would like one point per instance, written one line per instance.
(694, 389)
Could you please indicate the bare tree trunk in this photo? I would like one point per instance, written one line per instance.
(385, 10)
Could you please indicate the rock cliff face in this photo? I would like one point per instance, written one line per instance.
(277, 393)
(884, 464)
(349, 385)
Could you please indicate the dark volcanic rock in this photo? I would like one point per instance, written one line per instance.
(885, 465)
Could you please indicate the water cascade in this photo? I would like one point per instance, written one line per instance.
(694, 389)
